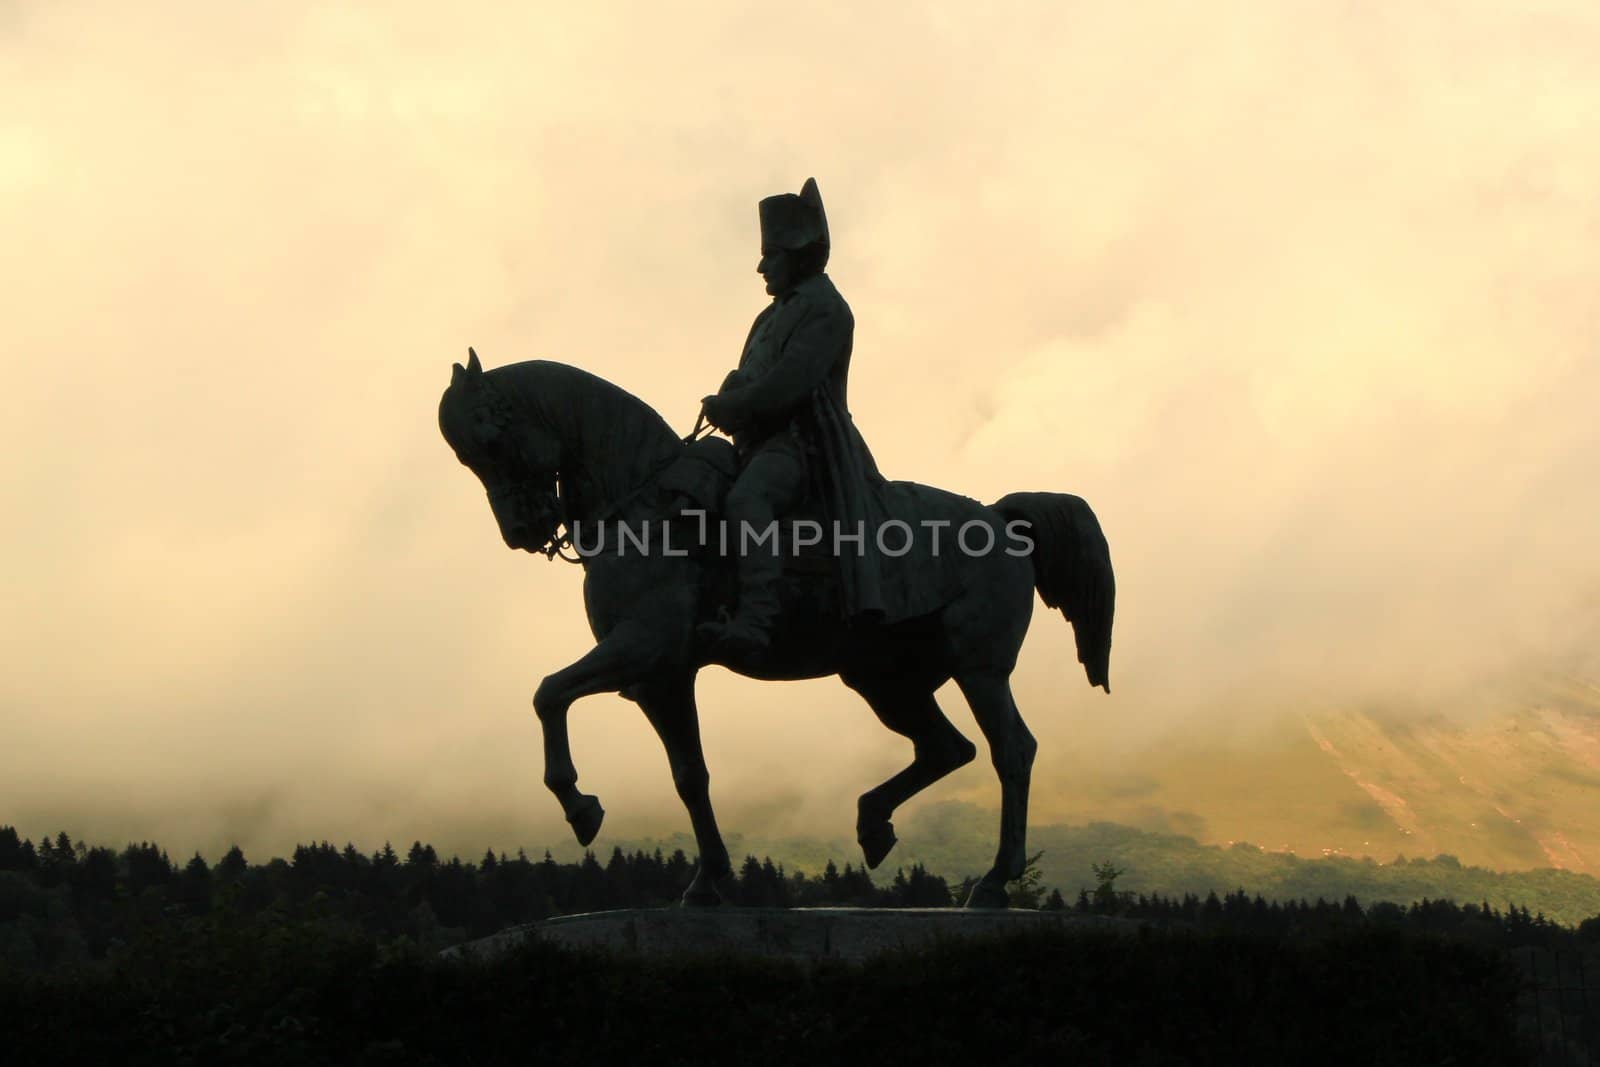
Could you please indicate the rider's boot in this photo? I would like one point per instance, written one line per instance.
(749, 631)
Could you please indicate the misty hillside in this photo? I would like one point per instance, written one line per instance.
(1513, 788)
(1520, 790)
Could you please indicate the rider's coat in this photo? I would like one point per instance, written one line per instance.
(790, 392)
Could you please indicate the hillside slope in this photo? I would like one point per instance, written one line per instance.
(1513, 788)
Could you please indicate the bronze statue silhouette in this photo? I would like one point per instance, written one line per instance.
(555, 445)
(895, 587)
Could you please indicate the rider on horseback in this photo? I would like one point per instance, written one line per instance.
(785, 407)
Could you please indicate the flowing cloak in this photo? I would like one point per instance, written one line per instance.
(792, 386)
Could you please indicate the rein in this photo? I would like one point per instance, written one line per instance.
(702, 426)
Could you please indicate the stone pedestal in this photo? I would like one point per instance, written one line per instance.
(805, 934)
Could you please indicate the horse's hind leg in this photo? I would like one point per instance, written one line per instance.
(668, 703)
(1012, 747)
(939, 747)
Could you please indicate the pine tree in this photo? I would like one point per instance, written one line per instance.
(11, 855)
(232, 866)
(776, 887)
(147, 866)
(1105, 890)
(194, 886)
(752, 890)
(96, 876)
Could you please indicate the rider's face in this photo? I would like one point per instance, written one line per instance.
(777, 266)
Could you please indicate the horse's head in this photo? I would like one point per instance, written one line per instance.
(516, 460)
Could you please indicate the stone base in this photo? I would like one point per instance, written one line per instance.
(805, 934)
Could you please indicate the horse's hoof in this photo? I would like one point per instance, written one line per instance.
(876, 841)
(702, 893)
(701, 897)
(586, 817)
(988, 895)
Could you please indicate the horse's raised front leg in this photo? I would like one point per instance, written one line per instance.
(939, 749)
(1012, 746)
(668, 703)
(627, 654)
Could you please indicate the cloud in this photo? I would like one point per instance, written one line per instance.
(1299, 298)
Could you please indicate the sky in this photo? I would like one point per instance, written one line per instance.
(1299, 296)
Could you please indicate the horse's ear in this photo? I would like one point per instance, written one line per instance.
(473, 366)
(457, 372)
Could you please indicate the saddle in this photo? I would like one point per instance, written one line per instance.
(699, 480)
(703, 474)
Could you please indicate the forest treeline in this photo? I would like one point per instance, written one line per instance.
(63, 902)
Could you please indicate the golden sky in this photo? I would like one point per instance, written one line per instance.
(1300, 296)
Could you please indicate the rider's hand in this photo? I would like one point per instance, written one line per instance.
(718, 412)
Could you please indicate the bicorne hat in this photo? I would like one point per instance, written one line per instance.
(794, 222)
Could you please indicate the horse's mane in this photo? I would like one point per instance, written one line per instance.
(610, 439)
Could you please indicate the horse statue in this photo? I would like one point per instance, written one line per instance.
(556, 446)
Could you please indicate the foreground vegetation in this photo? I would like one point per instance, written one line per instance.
(298, 990)
(331, 957)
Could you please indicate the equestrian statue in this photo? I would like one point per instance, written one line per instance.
(782, 554)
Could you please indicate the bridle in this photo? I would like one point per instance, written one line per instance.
(546, 496)
(556, 545)
(546, 502)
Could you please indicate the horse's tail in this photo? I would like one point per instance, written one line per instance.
(1071, 570)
